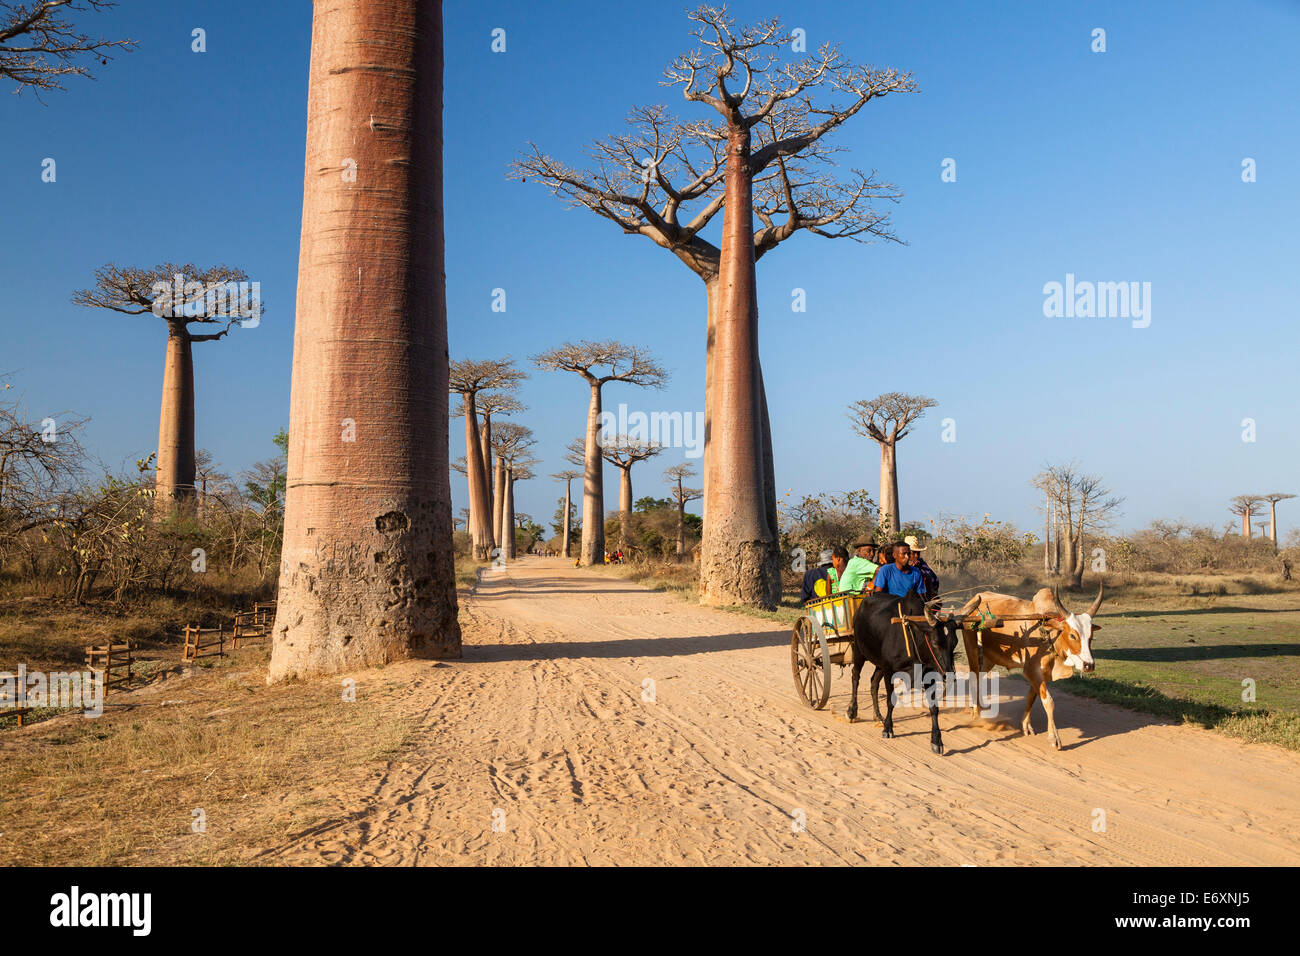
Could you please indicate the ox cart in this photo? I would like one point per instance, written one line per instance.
(824, 636)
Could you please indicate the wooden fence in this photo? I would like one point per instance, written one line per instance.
(112, 662)
(200, 641)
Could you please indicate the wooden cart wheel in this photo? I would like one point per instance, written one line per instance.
(810, 660)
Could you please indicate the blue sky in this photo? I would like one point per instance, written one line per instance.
(1115, 166)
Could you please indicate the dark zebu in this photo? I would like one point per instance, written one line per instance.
(877, 638)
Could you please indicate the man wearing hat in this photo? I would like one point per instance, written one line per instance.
(916, 561)
(861, 568)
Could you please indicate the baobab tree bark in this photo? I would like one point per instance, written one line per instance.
(499, 499)
(174, 469)
(507, 544)
(494, 488)
(480, 499)
(568, 511)
(592, 550)
(567, 477)
(367, 573)
(740, 562)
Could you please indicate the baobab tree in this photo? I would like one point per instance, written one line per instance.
(599, 363)
(1272, 500)
(489, 404)
(567, 477)
(676, 475)
(39, 45)
(767, 159)
(468, 379)
(623, 452)
(520, 469)
(182, 296)
(886, 419)
(367, 573)
(510, 443)
(1085, 505)
(1246, 507)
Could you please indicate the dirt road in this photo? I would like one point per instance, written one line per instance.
(542, 747)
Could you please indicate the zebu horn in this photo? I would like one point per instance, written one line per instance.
(1096, 605)
(930, 617)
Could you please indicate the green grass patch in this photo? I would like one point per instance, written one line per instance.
(1256, 725)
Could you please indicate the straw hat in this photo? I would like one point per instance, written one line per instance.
(912, 543)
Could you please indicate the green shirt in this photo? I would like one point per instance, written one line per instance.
(857, 574)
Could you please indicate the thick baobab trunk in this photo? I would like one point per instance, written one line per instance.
(499, 501)
(593, 493)
(507, 543)
(1245, 524)
(493, 486)
(1272, 523)
(625, 490)
(1047, 538)
(711, 292)
(568, 485)
(739, 561)
(174, 475)
(624, 504)
(476, 470)
(681, 525)
(1056, 538)
(367, 573)
(889, 487)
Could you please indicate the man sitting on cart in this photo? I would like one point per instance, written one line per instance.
(900, 577)
(857, 574)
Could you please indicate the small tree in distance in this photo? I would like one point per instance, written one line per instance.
(886, 419)
(676, 475)
(599, 363)
(181, 295)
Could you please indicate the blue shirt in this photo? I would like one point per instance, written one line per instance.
(899, 583)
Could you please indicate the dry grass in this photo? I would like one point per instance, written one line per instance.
(122, 788)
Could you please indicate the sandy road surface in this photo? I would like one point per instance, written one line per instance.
(542, 728)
